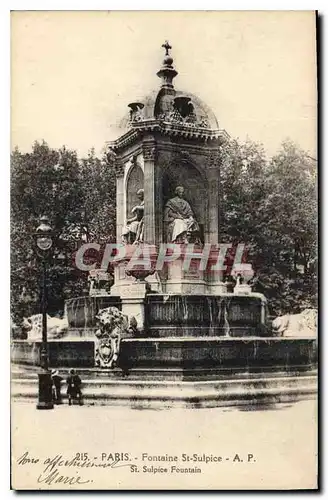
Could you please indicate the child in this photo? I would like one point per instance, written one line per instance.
(74, 383)
(56, 380)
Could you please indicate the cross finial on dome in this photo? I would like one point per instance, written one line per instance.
(167, 47)
(167, 71)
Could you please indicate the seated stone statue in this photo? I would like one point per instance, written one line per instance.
(132, 233)
(182, 226)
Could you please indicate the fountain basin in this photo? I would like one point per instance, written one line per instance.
(186, 353)
(218, 352)
(205, 315)
(61, 353)
(81, 311)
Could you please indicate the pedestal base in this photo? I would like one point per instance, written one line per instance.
(154, 283)
(242, 290)
(189, 281)
(133, 302)
(217, 288)
(185, 287)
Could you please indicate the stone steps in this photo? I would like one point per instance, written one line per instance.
(222, 385)
(264, 389)
(199, 374)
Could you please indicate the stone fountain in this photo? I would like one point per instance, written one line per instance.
(184, 323)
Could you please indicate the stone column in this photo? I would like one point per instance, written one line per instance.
(149, 154)
(213, 199)
(158, 205)
(119, 207)
(215, 285)
(213, 208)
(120, 214)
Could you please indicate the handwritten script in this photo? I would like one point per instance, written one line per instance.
(52, 473)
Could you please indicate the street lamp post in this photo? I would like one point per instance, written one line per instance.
(43, 238)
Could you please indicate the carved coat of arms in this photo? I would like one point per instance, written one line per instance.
(112, 325)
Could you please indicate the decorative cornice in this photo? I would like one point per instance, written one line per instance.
(169, 129)
(123, 141)
(175, 128)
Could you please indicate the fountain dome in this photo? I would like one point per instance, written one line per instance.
(177, 107)
(169, 111)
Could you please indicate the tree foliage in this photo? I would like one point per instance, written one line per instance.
(78, 196)
(271, 206)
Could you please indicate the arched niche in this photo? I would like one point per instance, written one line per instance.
(134, 182)
(188, 176)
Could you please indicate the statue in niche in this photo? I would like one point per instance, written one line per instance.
(182, 226)
(132, 233)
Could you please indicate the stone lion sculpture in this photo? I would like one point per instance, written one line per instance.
(56, 327)
(303, 324)
(112, 326)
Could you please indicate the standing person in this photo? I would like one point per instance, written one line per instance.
(56, 381)
(74, 383)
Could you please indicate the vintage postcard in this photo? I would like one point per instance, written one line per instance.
(164, 250)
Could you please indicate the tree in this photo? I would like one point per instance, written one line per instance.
(99, 198)
(78, 196)
(271, 207)
(45, 181)
(243, 187)
(289, 236)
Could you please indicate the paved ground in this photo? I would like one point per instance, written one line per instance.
(282, 442)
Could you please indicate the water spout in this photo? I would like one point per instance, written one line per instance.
(210, 309)
(184, 307)
(85, 312)
(223, 306)
(226, 322)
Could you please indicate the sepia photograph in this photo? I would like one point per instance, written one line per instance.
(164, 250)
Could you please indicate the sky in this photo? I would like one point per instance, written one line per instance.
(73, 73)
